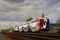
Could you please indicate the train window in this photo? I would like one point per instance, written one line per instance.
(44, 23)
(33, 21)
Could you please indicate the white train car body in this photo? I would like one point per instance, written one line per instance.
(16, 28)
(25, 26)
(33, 25)
(20, 28)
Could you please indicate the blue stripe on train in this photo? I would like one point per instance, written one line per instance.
(47, 27)
(29, 29)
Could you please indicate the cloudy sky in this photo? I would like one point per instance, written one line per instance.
(12, 11)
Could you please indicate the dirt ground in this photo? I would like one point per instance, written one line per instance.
(3, 37)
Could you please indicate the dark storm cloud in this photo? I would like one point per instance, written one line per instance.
(19, 10)
(7, 18)
(15, 1)
(26, 9)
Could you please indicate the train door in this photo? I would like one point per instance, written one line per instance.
(44, 25)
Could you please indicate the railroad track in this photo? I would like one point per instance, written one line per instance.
(43, 36)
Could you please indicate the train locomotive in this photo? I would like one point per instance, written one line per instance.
(34, 25)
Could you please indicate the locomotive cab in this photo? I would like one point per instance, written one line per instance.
(43, 24)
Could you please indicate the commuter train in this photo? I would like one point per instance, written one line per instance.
(34, 25)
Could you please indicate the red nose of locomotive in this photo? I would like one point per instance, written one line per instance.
(42, 23)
